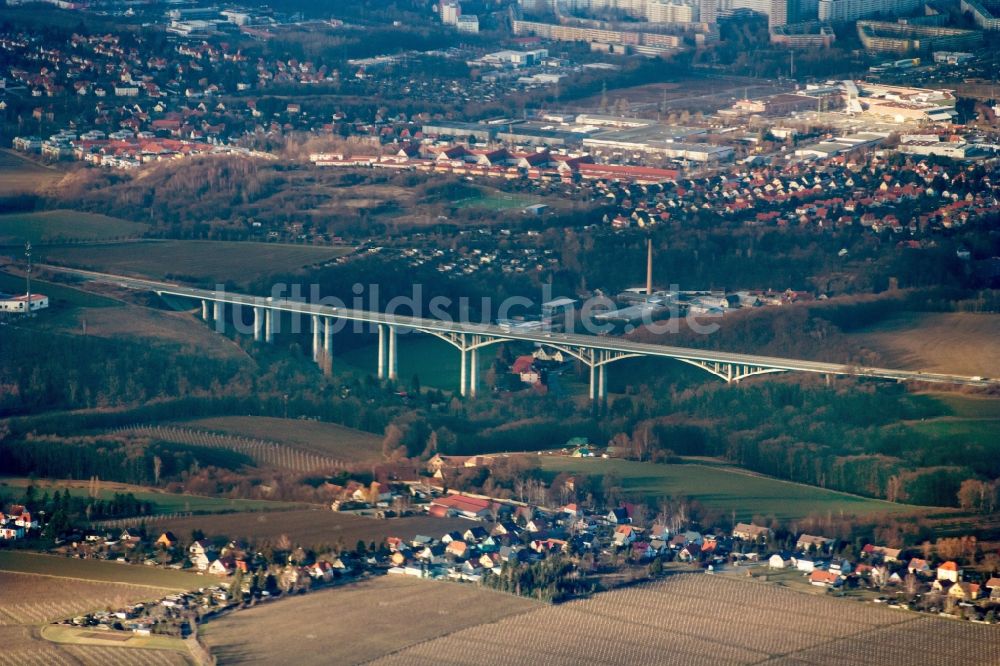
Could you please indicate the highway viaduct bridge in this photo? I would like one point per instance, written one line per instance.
(595, 352)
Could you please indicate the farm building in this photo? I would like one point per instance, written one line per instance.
(463, 505)
(887, 554)
(824, 579)
(11, 303)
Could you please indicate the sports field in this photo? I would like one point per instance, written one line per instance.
(198, 260)
(497, 201)
(65, 225)
(724, 489)
(329, 439)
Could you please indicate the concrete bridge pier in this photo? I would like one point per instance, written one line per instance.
(328, 339)
(463, 375)
(204, 310)
(474, 368)
(602, 384)
(593, 384)
(220, 323)
(258, 324)
(596, 360)
(393, 358)
(268, 326)
(381, 351)
(315, 332)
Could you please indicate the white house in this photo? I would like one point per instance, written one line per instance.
(804, 565)
(11, 532)
(624, 535)
(777, 561)
(222, 566)
(18, 303)
(949, 571)
(198, 554)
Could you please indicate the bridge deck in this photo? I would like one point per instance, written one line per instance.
(572, 340)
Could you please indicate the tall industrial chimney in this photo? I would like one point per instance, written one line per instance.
(649, 267)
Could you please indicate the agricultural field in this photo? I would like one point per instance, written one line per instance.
(35, 599)
(966, 432)
(262, 453)
(29, 601)
(65, 225)
(313, 527)
(359, 622)
(694, 619)
(967, 406)
(164, 502)
(139, 323)
(196, 260)
(326, 439)
(19, 174)
(725, 489)
(159, 580)
(983, 433)
(25, 646)
(956, 342)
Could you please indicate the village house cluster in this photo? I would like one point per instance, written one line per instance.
(882, 568)
(173, 614)
(204, 91)
(503, 535)
(761, 163)
(520, 530)
(17, 523)
(499, 162)
(246, 575)
(508, 534)
(864, 188)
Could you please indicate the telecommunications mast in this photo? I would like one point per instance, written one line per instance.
(27, 275)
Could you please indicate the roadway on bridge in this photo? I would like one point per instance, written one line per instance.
(570, 340)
